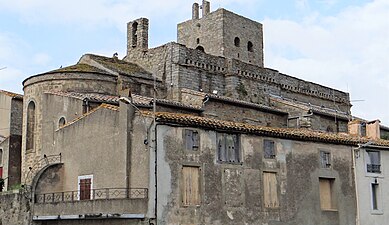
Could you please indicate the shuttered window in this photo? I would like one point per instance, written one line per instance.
(191, 140)
(190, 185)
(228, 149)
(327, 197)
(85, 188)
(325, 159)
(269, 150)
(270, 189)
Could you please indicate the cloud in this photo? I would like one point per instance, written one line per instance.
(348, 51)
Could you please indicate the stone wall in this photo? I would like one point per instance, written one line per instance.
(233, 193)
(14, 209)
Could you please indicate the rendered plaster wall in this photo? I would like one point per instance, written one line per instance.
(233, 193)
(367, 214)
(34, 88)
(91, 146)
(5, 115)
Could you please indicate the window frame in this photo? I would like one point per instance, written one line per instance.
(223, 156)
(195, 142)
(378, 196)
(84, 177)
(182, 186)
(332, 194)
(274, 151)
(324, 161)
(370, 167)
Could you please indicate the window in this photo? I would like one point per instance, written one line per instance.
(373, 162)
(201, 48)
(270, 194)
(325, 159)
(374, 195)
(191, 140)
(61, 122)
(190, 187)
(1, 157)
(237, 42)
(228, 148)
(198, 40)
(134, 34)
(327, 197)
(85, 186)
(250, 46)
(269, 151)
(30, 125)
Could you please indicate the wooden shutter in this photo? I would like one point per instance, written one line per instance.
(190, 185)
(325, 193)
(221, 147)
(269, 152)
(1, 172)
(85, 188)
(196, 140)
(270, 188)
(188, 139)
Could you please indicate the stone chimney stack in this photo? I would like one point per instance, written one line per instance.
(195, 11)
(355, 128)
(373, 129)
(206, 8)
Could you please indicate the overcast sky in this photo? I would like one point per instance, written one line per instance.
(343, 44)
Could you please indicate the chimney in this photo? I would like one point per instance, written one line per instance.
(373, 129)
(195, 11)
(206, 8)
(355, 127)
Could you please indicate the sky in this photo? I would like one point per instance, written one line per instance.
(342, 44)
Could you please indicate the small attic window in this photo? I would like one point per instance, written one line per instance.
(250, 46)
(237, 42)
(61, 122)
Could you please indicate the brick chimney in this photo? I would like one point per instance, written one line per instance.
(355, 127)
(373, 129)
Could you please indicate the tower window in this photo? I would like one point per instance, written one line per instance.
(201, 48)
(237, 42)
(198, 40)
(61, 122)
(30, 125)
(250, 46)
(134, 34)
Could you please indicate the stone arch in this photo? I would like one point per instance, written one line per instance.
(237, 42)
(250, 46)
(48, 179)
(201, 48)
(61, 122)
(31, 124)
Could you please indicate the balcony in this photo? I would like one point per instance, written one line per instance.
(373, 168)
(99, 203)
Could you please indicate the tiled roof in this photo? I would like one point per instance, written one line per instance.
(314, 108)
(235, 101)
(287, 133)
(105, 106)
(11, 94)
(122, 67)
(79, 67)
(112, 99)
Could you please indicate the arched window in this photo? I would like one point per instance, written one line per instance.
(250, 46)
(134, 34)
(237, 42)
(201, 48)
(30, 125)
(61, 122)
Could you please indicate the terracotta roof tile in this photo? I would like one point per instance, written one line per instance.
(288, 133)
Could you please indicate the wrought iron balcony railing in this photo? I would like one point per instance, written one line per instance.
(373, 168)
(93, 194)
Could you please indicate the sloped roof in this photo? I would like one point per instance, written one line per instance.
(234, 101)
(79, 67)
(11, 94)
(287, 133)
(314, 108)
(112, 99)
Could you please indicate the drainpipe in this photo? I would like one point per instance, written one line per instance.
(353, 152)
